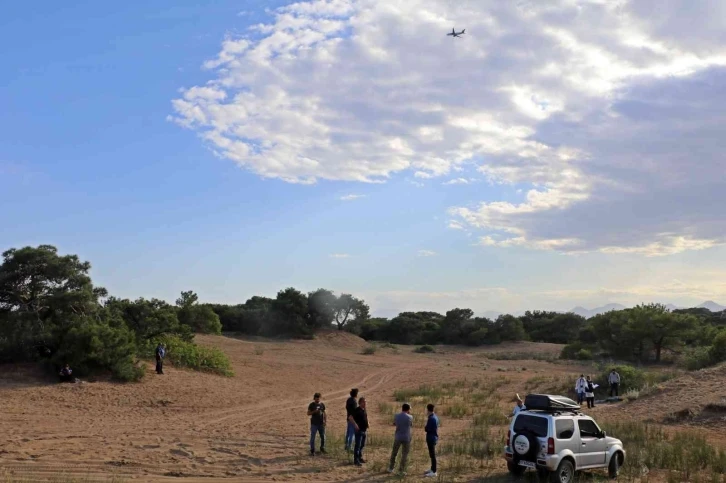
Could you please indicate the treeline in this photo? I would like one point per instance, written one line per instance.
(651, 333)
(51, 312)
(643, 334)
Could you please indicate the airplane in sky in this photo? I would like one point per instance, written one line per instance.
(454, 33)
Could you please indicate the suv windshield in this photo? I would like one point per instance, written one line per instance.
(533, 424)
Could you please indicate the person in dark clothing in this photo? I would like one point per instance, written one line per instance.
(316, 411)
(590, 393)
(160, 353)
(432, 437)
(359, 418)
(66, 374)
(350, 406)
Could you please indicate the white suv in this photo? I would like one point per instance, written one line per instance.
(555, 438)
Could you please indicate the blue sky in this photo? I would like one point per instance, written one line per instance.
(489, 201)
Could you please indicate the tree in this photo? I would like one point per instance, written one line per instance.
(665, 329)
(148, 319)
(50, 310)
(347, 308)
(509, 328)
(289, 313)
(322, 307)
(199, 318)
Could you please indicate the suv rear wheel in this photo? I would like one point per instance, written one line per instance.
(565, 473)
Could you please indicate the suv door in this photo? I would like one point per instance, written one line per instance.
(592, 446)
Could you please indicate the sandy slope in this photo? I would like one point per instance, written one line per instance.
(251, 427)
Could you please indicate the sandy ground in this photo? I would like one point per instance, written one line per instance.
(250, 427)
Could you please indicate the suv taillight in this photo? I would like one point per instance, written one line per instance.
(550, 445)
(509, 435)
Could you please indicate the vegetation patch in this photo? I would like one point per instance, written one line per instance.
(192, 356)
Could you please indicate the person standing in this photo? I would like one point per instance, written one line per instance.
(359, 418)
(432, 437)
(403, 422)
(519, 406)
(160, 353)
(316, 411)
(589, 393)
(580, 388)
(350, 406)
(614, 380)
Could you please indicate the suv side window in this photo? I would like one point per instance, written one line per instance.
(564, 428)
(534, 424)
(588, 428)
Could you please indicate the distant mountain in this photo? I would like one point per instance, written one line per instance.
(712, 306)
(587, 313)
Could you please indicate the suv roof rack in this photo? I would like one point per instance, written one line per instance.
(550, 403)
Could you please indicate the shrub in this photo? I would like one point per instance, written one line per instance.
(187, 354)
(425, 349)
(370, 350)
(584, 355)
(696, 358)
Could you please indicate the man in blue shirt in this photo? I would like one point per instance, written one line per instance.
(403, 422)
(432, 437)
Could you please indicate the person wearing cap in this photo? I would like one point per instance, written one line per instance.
(316, 411)
(519, 406)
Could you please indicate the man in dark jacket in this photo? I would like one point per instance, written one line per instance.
(359, 418)
(316, 411)
(160, 353)
(350, 406)
(432, 437)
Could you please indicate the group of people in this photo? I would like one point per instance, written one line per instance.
(358, 425)
(585, 388)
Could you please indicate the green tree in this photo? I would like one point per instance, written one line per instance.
(322, 307)
(666, 330)
(49, 309)
(289, 314)
(348, 308)
(148, 319)
(200, 318)
(509, 328)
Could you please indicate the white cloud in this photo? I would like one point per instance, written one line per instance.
(351, 197)
(339, 255)
(459, 181)
(610, 113)
(426, 253)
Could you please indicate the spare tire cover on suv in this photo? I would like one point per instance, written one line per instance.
(525, 446)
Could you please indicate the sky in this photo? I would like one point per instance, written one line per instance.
(560, 153)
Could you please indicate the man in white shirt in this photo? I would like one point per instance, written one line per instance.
(614, 380)
(519, 406)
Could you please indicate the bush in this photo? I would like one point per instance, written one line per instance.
(90, 347)
(187, 354)
(576, 351)
(696, 358)
(425, 349)
(370, 350)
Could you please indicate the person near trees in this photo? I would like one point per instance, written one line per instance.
(580, 388)
(614, 380)
(432, 438)
(590, 392)
(66, 374)
(403, 422)
(350, 406)
(316, 411)
(160, 353)
(359, 418)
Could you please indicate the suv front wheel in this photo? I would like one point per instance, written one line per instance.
(565, 473)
